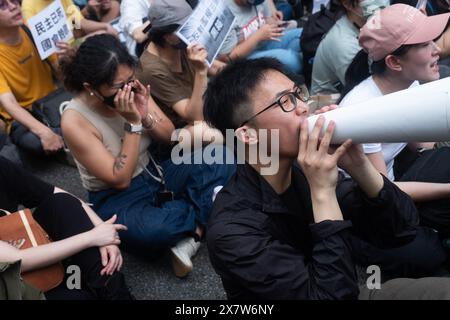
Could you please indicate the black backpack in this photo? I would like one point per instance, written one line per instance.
(314, 30)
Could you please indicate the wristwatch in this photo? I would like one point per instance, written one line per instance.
(133, 128)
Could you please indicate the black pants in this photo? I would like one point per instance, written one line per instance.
(424, 256)
(26, 140)
(62, 216)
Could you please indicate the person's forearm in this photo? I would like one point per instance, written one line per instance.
(325, 205)
(272, 7)
(45, 255)
(158, 126)
(424, 191)
(95, 219)
(125, 163)
(245, 48)
(25, 118)
(89, 26)
(194, 109)
(420, 145)
(138, 35)
(368, 179)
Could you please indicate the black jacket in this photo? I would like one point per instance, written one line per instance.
(262, 250)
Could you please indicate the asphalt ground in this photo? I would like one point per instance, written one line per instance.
(146, 279)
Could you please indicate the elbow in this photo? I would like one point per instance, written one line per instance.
(121, 183)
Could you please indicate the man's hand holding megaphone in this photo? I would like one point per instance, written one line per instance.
(319, 160)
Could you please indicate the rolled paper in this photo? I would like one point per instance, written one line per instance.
(421, 114)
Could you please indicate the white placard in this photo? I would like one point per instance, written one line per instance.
(209, 25)
(421, 113)
(47, 27)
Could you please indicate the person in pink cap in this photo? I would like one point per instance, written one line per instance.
(398, 45)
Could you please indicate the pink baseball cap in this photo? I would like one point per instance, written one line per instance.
(397, 25)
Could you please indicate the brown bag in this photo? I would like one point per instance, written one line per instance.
(21, 230)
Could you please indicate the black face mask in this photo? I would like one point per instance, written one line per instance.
(109, 100)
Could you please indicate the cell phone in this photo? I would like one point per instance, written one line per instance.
(164, 196)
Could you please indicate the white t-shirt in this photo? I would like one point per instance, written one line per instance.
(368, 90)
(131, 14)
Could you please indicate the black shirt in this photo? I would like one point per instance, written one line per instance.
(259, 245)
(17, 186)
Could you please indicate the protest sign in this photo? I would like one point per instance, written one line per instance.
(48, 27)
(209, 25)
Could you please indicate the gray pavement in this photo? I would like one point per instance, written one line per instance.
(146, 279)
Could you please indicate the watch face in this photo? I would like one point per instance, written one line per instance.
(132, 128)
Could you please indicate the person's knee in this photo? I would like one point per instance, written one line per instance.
(153, 237)
(56, 207)
(26, 140)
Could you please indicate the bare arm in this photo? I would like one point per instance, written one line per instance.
(419, 145)
(41, 256)
(87, 147)
(156, 122)
(418, 191)
(192, 109)
(246, 47)
(50, 141)
(138, 35)
(89, 26)
(86, 144)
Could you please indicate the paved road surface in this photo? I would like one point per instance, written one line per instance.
(146, 279)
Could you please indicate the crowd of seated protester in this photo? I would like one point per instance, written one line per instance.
(139, 94)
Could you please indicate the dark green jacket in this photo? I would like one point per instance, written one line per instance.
(12, 287)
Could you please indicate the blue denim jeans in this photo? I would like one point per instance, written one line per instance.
(287, 50)
(152, 229)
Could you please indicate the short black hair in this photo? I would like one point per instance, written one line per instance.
(227, 100)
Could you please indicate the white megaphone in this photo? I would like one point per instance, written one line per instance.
(421, 113)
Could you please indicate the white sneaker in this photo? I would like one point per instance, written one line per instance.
(182, 253)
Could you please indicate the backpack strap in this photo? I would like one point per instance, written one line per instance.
(30, 36)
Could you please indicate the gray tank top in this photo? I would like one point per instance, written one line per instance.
(112, 133)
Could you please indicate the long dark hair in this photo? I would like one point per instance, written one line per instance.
(359, 70)
(96, 62)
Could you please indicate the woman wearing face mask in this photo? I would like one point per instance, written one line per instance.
(177, 74)
(340, 45)
(399, 43)
(108, 127)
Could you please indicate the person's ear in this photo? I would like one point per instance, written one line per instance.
(392, 62)
(88, 87)
(247, 135)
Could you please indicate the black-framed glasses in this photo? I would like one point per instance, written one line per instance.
(4, 3)
(286, 101)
